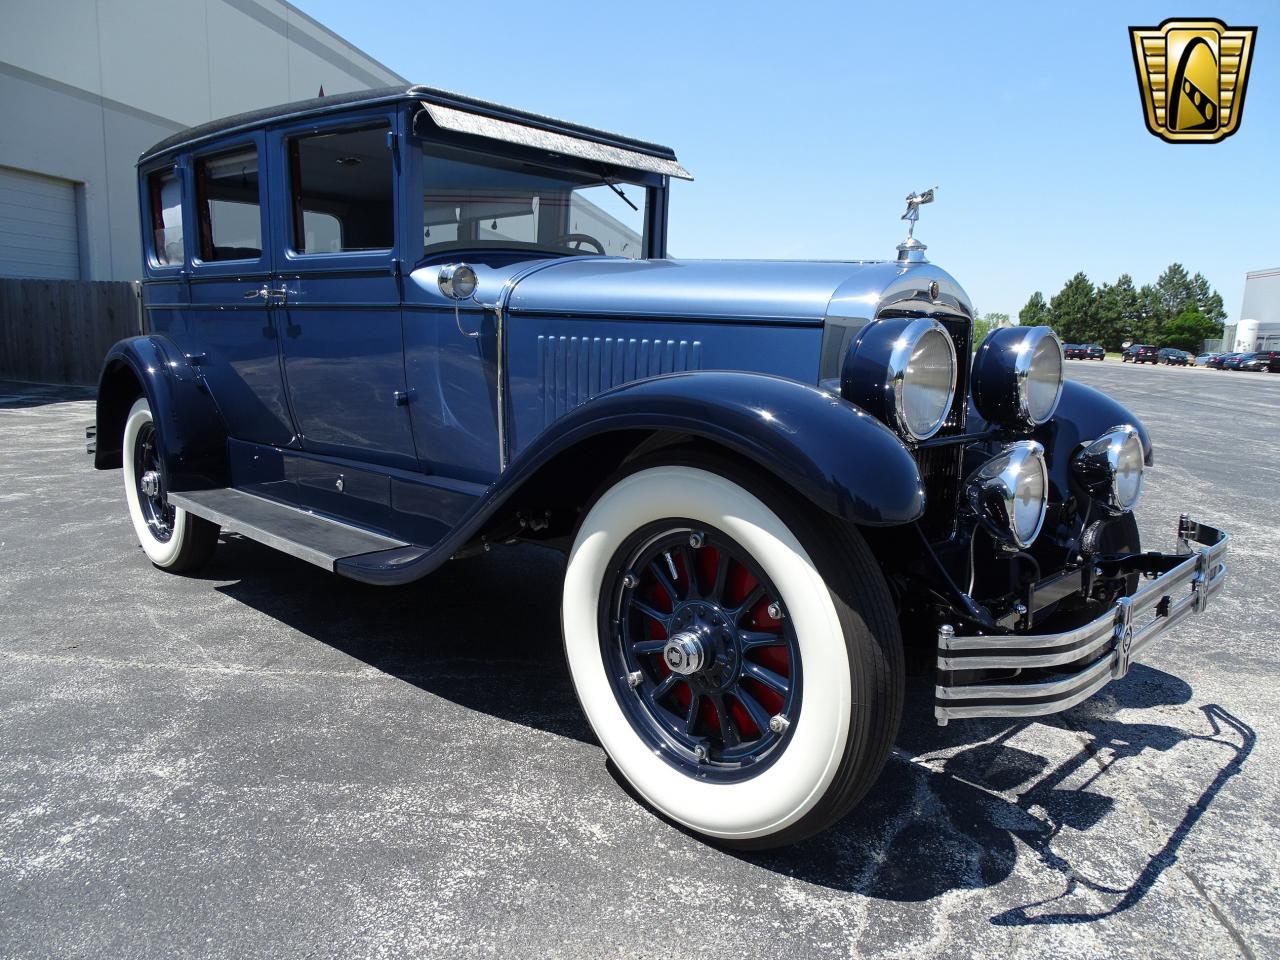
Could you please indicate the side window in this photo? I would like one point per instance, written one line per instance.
(229, 206)
(343, 197)
(166, 217)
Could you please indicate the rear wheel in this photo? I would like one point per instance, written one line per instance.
(737, 655)
(172, 538)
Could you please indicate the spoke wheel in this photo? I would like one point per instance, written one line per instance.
(171, 538)
(703, 658)
(149, 479)
(736, 652)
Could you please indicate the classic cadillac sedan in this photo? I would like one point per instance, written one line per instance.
(391, 328)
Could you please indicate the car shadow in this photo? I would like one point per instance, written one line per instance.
(957, 806)
(482, 632)
(954, 809)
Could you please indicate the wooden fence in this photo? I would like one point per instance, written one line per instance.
(58, 331)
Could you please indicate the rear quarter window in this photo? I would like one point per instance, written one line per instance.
(164, 189)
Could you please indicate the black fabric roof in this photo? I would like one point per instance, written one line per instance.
(319, 106)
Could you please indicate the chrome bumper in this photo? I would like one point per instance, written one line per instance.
(1106, 646)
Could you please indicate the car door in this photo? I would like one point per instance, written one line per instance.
(336, 195)
(228, 325)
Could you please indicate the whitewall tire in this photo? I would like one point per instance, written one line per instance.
(171, 538)
(736, 770)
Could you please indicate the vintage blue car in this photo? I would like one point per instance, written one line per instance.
(391, 328)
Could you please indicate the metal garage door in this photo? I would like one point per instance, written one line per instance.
(39, 236)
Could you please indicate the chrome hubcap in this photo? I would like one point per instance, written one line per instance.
(684, 653)
(150, 483)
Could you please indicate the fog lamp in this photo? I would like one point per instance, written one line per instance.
(1111, 468)
(1009, 493)
(1017, 376)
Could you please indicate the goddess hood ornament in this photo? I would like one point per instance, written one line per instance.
(912, 250)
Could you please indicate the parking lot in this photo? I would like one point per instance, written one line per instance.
(266, 760)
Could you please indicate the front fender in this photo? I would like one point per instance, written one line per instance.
(1083, 415)
(193, 436)
(830, 451)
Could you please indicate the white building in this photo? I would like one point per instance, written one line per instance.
(1259, 325)
(87, 85)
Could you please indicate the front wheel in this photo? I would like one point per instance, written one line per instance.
(737, 655)
(172, 539)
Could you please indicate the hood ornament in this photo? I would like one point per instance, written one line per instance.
(912, 250)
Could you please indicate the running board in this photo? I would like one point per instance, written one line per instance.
(300, 533)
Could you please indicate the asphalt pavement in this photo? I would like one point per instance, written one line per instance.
(267, 760)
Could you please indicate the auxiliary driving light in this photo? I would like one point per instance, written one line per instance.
(1017, 376)
(904, 372)
(1009, 493)
(457, 281)
(1111, 468)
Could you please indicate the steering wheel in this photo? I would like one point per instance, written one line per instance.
(580, 238)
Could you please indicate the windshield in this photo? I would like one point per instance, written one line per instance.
(475, 201)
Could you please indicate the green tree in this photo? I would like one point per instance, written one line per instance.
(1106, 313)
(1189, 330)
(986, 323)
(1035, 312)
(1208, 300)
(1071, 311)
(1177, 291)
(1115, 312)
(1150, 317)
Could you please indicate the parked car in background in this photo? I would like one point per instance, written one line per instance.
(1254, 362)
(1272, 358)
(1084, 351)
(393, 327)
(1220, 361)
(1204, 358)
(1173, 357)
(1141, 353)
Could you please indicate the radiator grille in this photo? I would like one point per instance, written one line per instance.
(572, 370)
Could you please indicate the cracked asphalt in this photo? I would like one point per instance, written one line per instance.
(266, 760)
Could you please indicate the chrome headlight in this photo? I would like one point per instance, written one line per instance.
(1017, 376)
(1111, 468)
(1010, 492)
(904, 372)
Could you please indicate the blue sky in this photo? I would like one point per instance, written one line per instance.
(806, 124)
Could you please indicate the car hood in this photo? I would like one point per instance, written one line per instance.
(766, 291)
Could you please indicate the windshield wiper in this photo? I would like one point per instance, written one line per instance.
(618, 190)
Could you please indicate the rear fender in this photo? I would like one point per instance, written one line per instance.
(193, 436)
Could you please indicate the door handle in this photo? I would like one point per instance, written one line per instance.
(277, 295)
